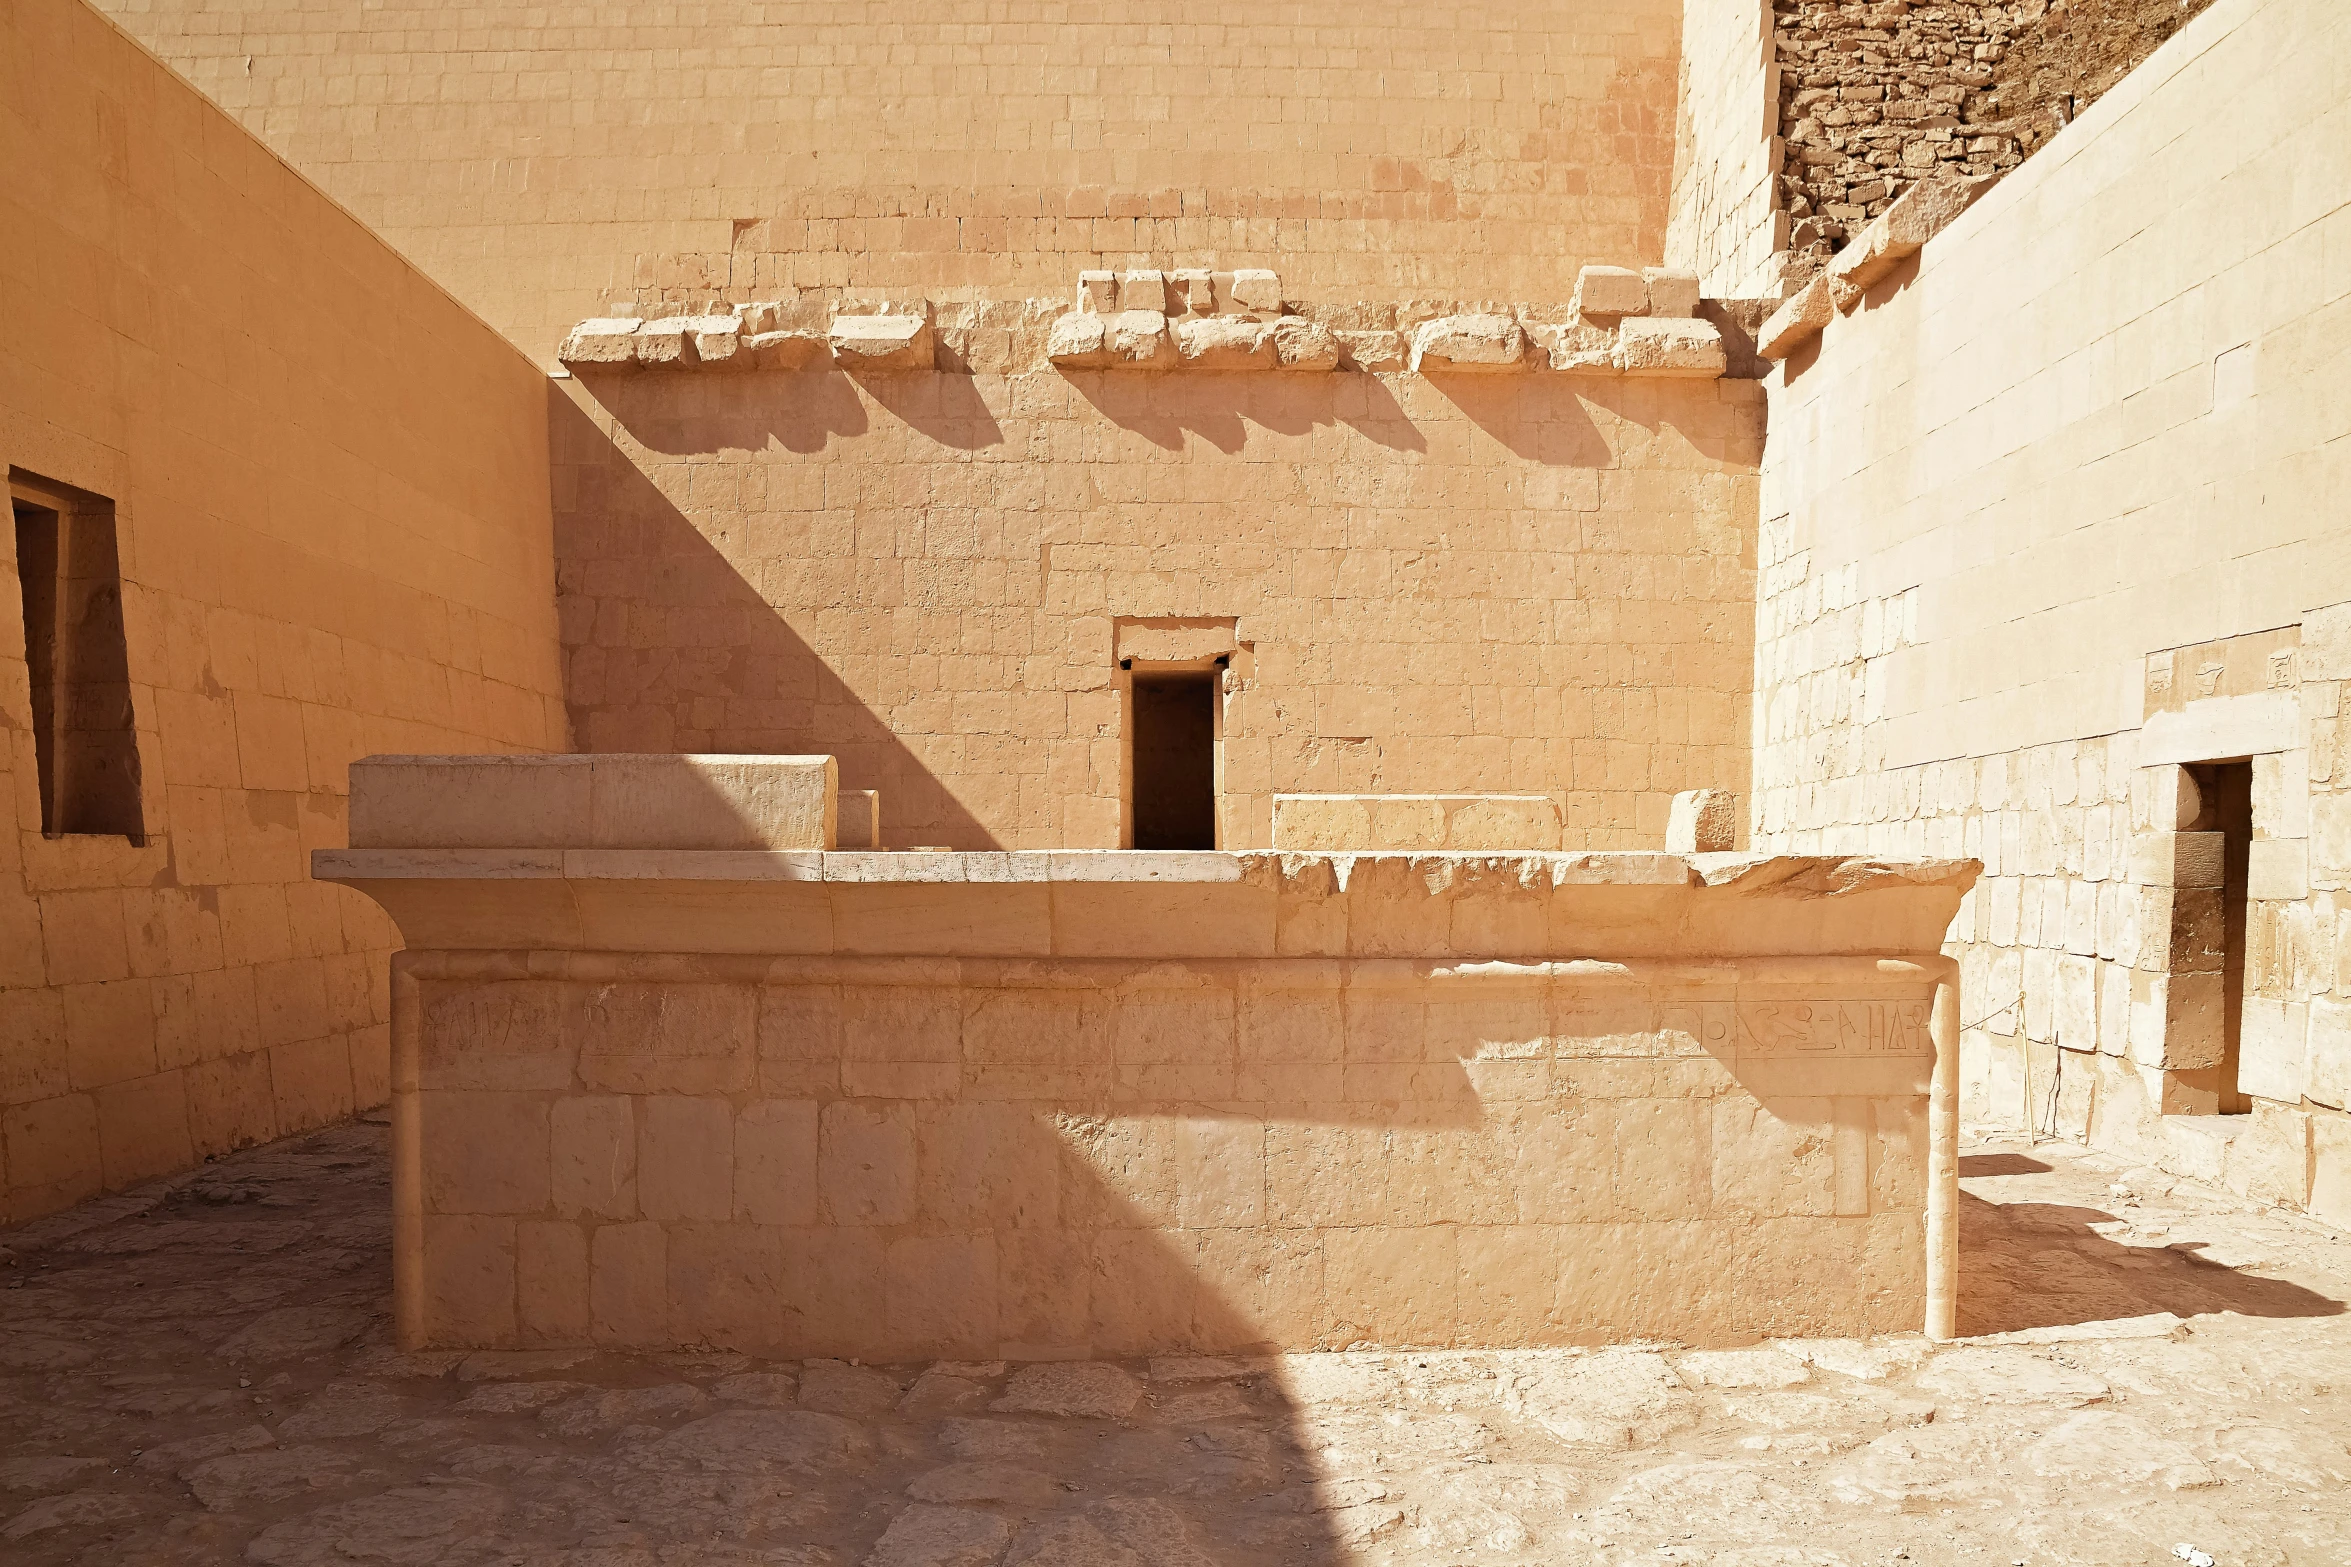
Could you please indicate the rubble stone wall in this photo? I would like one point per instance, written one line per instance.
(1874, 98)
(2053, 511)
(330, 499)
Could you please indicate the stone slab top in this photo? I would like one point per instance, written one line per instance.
(1782, 875)
(1157, 905)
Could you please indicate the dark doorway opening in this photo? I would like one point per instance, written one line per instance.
(84, 746)
(1173, 718)
(2227, 792)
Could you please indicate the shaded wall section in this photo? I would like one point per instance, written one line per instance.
(2056, 510)
(992, 147)
(329, 495)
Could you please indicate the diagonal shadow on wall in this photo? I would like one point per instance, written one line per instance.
(668, 649)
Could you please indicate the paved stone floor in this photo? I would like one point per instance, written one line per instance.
(201, 1372)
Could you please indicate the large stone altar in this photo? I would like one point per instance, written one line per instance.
(1031, 1105)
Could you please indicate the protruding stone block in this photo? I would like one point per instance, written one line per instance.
(1605, 293)
(1097, 292)
(1472, 342)
(1371, 350)
(1917, 215)
(715, 340)
(1224, 343)
(1577, 346)
(786, 350)
(603, 340)
(1255, 288)
(882, 342)
(1703, 821)
(662, 342)
(1796, 322)
(1659, 345)
(1672, 292)
(1132, 339)
(1300, 344)
(1192, 289)
(1143, 290)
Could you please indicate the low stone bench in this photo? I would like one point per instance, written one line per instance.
(889, 1106)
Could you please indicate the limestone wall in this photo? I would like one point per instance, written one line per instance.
(1726, 221)
(1519, 583)
(2055, 509)
(330, 497)
(972, 148)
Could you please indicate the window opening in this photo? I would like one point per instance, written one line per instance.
(1174, 772)
(84, 746)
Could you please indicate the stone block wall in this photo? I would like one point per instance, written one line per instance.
(1044, 1106)
(973, 151)
(1728, 220)
(1528, 582)
(2049, 514)
(329, 489)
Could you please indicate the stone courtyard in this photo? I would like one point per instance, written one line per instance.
(202, 1370)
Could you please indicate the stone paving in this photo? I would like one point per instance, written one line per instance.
(202, 1372)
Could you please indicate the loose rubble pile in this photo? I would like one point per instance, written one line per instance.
(1620, 322)
(200, 1372)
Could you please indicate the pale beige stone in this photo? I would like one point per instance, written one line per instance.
(882, 342)
(1471, 342)
(602, 340)
(1660, 346)
(1798, 320)
(1224, 343)
(1604, 293)
(1704, 821)
(1673, 291)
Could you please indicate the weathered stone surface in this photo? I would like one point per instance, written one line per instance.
(1371, 349)
(846, 1389)
(1523, 1456)
(1472, 342)
(882, 342)
(1798, 321)
(1897, 234)
(1131, 339)
(1255, 288)
(1704, 821)
(925, 1536)
(1605, 293)
(1672, 291)
(2008, 1376)
(1085, 1388)
(602, 340)
(1224, 343)
(1653, 345)
(1300, 344)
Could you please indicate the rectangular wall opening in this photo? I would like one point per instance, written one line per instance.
(2225, 791)
(1172, 732)
(84, 744)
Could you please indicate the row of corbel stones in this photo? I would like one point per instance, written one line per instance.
(1619, 322)
(1892, 237)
